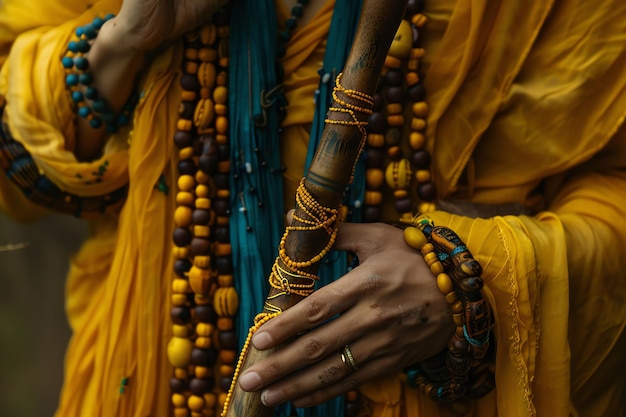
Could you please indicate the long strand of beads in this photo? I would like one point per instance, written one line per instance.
(374, 162)
(226, 300)
(420, 158)
(201, 275)
(195, 294)
(400, 98)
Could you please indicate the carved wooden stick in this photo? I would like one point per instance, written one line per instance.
(330, 171)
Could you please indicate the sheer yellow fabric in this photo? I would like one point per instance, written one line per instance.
(555, 280)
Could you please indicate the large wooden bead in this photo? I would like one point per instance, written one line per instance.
(226, 301)
(402, 42)
(398, 174)
(179, 352)
(414, 237)
(199, 280)
(206, 74)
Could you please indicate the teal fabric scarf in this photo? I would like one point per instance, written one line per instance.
(257, 218)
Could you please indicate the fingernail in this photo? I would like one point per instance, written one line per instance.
(272, 398)
(262, 340)
(250, 381)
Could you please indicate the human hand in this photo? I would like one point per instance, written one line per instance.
(391, 315)
(146, 24)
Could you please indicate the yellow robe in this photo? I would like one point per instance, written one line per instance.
(527, 105)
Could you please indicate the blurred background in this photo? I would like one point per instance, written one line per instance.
(34, 260)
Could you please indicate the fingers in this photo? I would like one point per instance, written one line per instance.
(331, 376)
(308, 313)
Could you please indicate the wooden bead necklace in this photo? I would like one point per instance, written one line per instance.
(203, 298)
(400, 82)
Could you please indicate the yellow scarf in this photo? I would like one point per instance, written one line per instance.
(507, 83)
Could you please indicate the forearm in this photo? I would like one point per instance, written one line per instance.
(115, 67)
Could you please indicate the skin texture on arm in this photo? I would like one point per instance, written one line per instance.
(121, 50)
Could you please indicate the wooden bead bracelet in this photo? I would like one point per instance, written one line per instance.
(463, 370)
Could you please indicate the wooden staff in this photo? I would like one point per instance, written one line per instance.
(330, 172)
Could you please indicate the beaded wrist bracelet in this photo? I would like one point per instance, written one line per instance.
(19, 167)
(86, 100)
(462, 371)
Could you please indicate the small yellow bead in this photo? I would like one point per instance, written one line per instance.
(188, 95)
(181, 373)
(457, 307)
(399, 194)
(186, 182)
(221, 124)
(395, 120)
(202, 190)
(427, 208)
(202, 372)
(179, 400)
(204, 329)
(182, 216)
(201, 177)
(223, 249)
(451, 297)
(444, 283)
(180, 330)
(203, 342)
(203, 203)
(376, 140)
(431, 258)
(201, 231)
(416, 140)
(184, 124)
(414, 237)
(225, 280)
(180, 286)
(420, 109)
(225, 323)
(427, 248)
(195, 403)
(373, 198)
(223, 193)
(418, 124)
(436, 268)
(184, 198)
(422, 175)
(226, 370)
(210, 399)
(411, 78)
(185, 153)
(228, 356)
(179, 299)
(374, 178)
(394, 108)
(220, 95)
